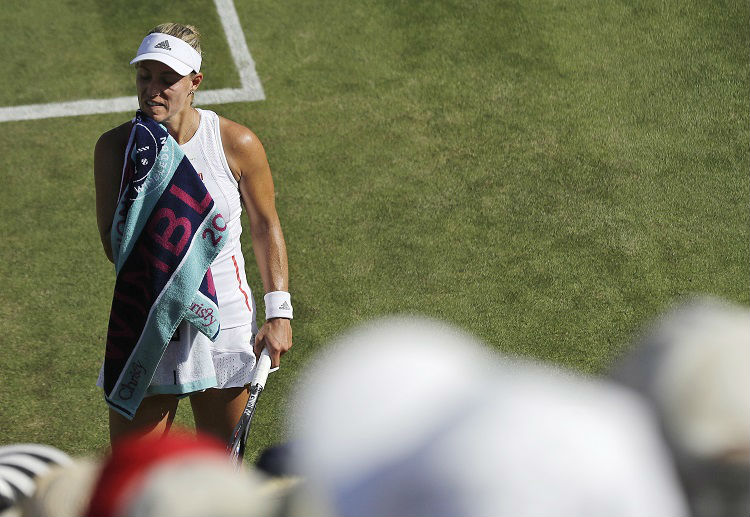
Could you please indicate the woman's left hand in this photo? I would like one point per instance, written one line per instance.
(276, 337)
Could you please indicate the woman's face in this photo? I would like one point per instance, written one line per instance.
(162, 92)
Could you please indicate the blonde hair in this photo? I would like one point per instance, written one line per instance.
(186, 33)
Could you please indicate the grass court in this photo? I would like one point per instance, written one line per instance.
(545, 175)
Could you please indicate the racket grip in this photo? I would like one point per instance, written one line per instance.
(262, 369)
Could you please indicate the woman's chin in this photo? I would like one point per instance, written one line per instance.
(158, 113)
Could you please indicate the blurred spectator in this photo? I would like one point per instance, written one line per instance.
(21, 465)
(412, 417)
(693, 365)
(64, 491)
(178, 474)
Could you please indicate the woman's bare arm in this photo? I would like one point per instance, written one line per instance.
(108, 160)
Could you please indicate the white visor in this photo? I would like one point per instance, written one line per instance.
(173, 52)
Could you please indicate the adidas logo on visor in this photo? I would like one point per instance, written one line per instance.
(164, 44)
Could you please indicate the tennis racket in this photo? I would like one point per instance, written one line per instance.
(236, 446)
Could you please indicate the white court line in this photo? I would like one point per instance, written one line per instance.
(250, 90)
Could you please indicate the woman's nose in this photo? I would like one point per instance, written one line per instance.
(152, 89)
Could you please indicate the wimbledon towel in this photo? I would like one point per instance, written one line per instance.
(165, 235)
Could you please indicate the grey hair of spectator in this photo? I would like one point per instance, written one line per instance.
(693, 365)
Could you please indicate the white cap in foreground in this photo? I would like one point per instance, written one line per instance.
(409, 416)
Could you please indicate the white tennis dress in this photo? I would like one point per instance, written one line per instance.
(192, 362)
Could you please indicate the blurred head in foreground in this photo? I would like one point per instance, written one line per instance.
(178, 474)
(65, 491)
(693, 365)
(21, 467)
(409, 416)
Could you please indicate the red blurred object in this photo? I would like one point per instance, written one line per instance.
(134, 456)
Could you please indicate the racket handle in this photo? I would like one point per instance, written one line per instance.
(261, 369)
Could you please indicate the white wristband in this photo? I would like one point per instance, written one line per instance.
(278, 305)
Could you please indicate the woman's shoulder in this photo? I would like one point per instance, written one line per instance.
(234, 133)
(242, 147)
(115, 138)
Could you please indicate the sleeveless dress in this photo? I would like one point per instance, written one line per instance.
(192, 362)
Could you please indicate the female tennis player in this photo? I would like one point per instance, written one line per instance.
(232, 164)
